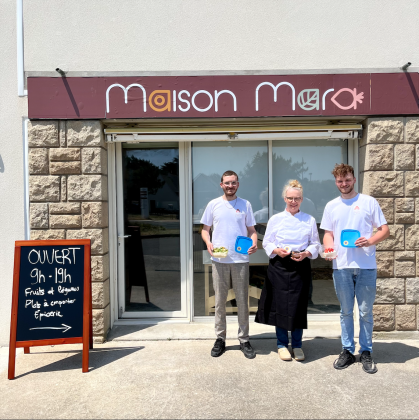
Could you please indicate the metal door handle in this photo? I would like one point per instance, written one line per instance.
(123, 236)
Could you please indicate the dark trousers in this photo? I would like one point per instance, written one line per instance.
(296, 338)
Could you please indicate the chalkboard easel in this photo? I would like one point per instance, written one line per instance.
(52, 297)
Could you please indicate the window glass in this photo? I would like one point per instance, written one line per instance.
(151, 217)
(311, 162)
(249, 159)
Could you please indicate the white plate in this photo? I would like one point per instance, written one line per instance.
(329, 254)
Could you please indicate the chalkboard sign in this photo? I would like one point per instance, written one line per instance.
(52, 301)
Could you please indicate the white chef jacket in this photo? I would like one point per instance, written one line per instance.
(299, 232)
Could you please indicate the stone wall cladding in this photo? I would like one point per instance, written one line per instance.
(68, 197)
(387, 206)
(389, 171)
(38, 161)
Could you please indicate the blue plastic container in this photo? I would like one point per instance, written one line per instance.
(243, 243)
(348, 238)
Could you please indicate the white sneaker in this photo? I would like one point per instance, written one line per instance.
(298, 355)
(284, 354)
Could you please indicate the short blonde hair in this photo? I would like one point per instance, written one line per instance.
(292, 184)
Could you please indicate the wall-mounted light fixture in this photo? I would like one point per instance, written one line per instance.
(61, 72)
(406, 66)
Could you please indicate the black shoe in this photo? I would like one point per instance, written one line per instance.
(368, 364)
(345, 359)
(247, 350)
(219, 347)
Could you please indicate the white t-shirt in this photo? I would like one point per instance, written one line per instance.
(228, 223)
(361, 213)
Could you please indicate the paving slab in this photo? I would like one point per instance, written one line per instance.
(179, 379)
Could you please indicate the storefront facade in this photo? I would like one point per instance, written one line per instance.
(138, 186)
(127, 146)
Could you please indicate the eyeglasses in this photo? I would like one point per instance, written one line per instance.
(296, 199)
(227, 184)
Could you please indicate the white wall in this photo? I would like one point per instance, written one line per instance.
(12, 109)
(151, 35)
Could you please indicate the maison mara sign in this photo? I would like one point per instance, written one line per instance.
(223, 96)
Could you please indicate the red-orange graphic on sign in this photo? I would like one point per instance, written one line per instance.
(160, 102)
(356, 98)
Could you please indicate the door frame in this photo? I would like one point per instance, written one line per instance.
(119, 240)
(117, 275)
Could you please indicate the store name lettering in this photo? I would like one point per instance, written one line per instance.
(183, 101)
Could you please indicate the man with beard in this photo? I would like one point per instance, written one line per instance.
(230, 217)
(354, 268)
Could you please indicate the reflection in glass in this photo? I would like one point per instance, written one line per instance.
(311, 162)
(248, 159)
(210, 160)
(151, 217)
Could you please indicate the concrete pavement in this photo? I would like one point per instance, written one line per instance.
(328, 328)
(179, 379)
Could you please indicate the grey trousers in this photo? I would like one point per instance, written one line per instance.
(221, 279)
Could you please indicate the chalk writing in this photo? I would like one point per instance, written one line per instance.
(67, 290)
(49, 256)
(39, 315)
(37, 292)
(51, 290)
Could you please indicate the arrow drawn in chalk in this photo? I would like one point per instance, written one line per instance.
(66, 328)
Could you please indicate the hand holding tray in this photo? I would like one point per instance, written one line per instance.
(243, 243)
(328, 252)
(348, 238)
(220, 252)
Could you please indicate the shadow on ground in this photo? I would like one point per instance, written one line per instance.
(119, 331)
(98, 358)
(320, 348)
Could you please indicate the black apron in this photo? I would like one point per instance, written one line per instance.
(284, 299)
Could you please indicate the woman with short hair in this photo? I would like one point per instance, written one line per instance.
(290, 241)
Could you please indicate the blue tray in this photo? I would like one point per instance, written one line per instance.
(348, 238)
(243, 243)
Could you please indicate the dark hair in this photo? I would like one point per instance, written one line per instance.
(229, 173)
(342, 170)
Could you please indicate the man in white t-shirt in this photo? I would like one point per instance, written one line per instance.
(354, 269)
(230, 217)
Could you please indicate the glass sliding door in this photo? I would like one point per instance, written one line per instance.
(257, 162)
(210, 160)
(152, 229)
